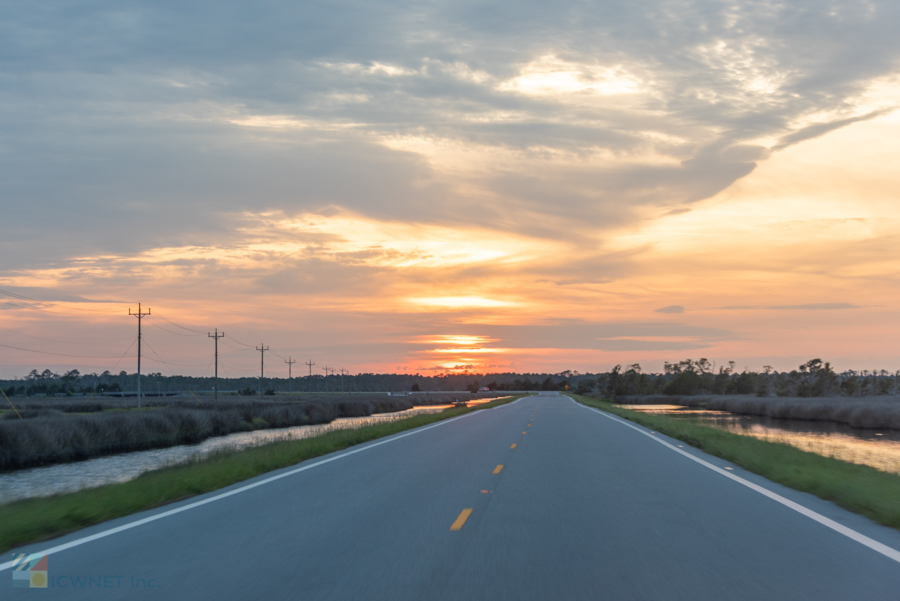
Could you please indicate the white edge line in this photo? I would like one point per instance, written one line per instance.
(165, 514)
(862, 539)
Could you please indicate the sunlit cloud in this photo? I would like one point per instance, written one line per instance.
(458, 302)
(551, 76)
(455, 339)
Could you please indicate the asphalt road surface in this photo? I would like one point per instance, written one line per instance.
(539, 499)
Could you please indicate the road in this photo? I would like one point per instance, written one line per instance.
(583, 507)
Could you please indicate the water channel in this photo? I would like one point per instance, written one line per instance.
(876, 448)
(70, 477)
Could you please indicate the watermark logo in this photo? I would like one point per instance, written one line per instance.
(30, 571)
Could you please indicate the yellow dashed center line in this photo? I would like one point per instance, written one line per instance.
(513, 446)
(523, 433)
(461, 520)
(497, 469)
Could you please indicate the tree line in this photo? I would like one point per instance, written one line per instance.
(815, 378)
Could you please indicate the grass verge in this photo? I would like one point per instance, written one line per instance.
(858, 488)
(32, 520)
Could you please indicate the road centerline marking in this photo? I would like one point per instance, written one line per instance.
(513, 446)
(497, 469)
(461, 519)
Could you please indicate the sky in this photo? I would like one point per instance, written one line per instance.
(446, 186)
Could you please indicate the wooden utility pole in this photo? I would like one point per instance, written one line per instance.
(217, 336)
(310, 363)
(139, 316)
(290, 363)
(262, 365)
(343, 371)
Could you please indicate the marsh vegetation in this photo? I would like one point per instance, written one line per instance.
(46, 431)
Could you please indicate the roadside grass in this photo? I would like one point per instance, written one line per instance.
(858, 488)
(33, 520)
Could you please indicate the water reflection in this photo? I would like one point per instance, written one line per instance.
(70, 477)
(876, 448)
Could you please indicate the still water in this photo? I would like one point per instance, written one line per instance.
(877, 448)
(69, 477)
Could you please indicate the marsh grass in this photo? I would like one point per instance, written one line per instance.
(869, 412)
(858, 488)
(63, 432)
(33, 520)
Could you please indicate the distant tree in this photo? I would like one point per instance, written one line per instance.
(415, 387)
(585, 386)
(686, 383)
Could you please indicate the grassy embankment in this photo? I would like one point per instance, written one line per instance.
(859, 488)
(33, 520)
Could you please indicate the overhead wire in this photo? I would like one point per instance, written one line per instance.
(170, 331)
(177, 325)
(28, 350)
(52, 304)
(152, 350)
(59, 341)
(116, 364)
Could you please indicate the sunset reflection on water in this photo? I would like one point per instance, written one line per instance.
(876, 448)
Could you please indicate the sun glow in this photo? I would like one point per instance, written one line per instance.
(460, 340)
(458, 302)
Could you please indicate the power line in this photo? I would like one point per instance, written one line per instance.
(60, 341)
(28, 350)
(158, 358)
(241, 343)
(34, 300)
(177, 325)
(310, 364)
(170, 331)
(116, 364)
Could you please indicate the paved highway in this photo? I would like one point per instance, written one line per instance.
(539, 499)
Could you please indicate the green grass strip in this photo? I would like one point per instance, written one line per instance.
(858, 488)
(33, 520)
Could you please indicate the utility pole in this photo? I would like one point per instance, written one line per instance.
(310, 363)
(290, 363)
(217, 336)
(262, 364)
(139, 316)
(326, 368)
(343, 371)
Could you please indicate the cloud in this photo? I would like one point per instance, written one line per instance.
(670, 309)
(141, 113)
(577, 334)
(807, 307)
